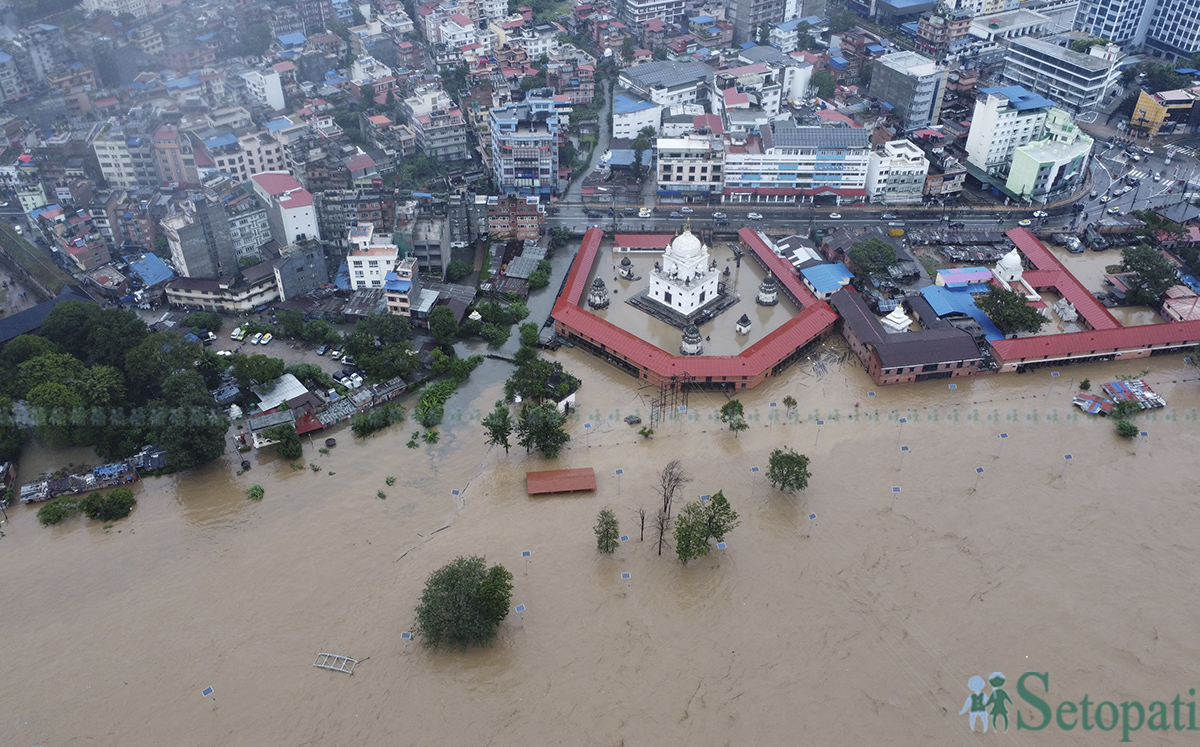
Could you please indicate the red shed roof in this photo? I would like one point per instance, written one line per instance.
(1052, 273)
(642, 240)
(560, 481)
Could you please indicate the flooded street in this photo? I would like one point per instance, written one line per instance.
(859, 627)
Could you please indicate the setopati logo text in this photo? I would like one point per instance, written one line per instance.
(984, 707)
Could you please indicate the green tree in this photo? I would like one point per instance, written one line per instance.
(540, 277)
(873, 256)
(499, 426)
(190, 429)
(842, 21)
(824, 83)
(1083, 45)
(627, 48)
(559, 237)
(1126, 429)
(57, 510)
(155, 358)
(529, 333)
(204, 320)
(464, 603)
(69, 325)
(788, 470)
(318, 332)
(542, 428)
(114, 505)
(457, 270)
(112, 337)
(699, 523)
(287, 441)
(1009, 311)
(790, 403)
(1125, 409)
(12, 434)
(719, 517)
(495, 335)
(1154, 274)
(733, 415)
(640, 145)
(567, 154)
(291, 323)
(442, 325)
(252, 370)
(608, 532)
(865, 75)
(59, 368)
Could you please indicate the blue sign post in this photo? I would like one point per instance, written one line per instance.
(526, 554)
(520, 608)
(1066, 462)
(1141, 437)
(618, 471)
(625, 576)
(811, 518)
(819, 424)
(1003, 438)
(458, 502)
(587, 435)
(895, 492)
(903, 453)
(207, 692)
(406, 636)
(901, 433)
(978, 475)
(720, 552)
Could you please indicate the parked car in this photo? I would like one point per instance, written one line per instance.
(356, 381)
(238, 334)
(336, 354)
(1025, 222)
(224, 353)
(348, 359)
(323, 349)
(257, 337)
(754, 216)
(266, 340)
(644, 212)
(835, 216)
(1136, 158)
(1114, 210)
(723, 222)
(888, 216)
(686, 210)
(720, 216)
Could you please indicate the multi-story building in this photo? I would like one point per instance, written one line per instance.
(1004, 120)
(174, 156)
(943, 26)
(632, 113)
(1076, 81)
(1167, 112)
(135, 8)
(289, 207)
(402, 287)
(1055, 164)
(230, 293)
(524, 146)
(315, 15)
(370, 258)
(572, 79)
(198, 237)
(1002, 27)
(789, 164)
(249, 224)
(442, 135)
(667, 83)
(911, 85)
(1168, 28)
(243, 157)
(639, 11)
(12, 85)
(896, 173)
(265, 85)
(749, 15)
(690, 167)
(300, 269)
(513, 217)
(126, 158)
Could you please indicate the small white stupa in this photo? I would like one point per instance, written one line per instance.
(743, 325)
(685, 282)
(598, 297)
(768, 291)
(896, 322)
(693, 342)
(1009, 268)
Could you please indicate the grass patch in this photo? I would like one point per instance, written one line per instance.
(26, 255)
(931, 264)
(255, 492)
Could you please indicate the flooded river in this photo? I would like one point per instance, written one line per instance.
(859, 627)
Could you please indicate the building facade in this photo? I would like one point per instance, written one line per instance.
(1004, 120)
(912, 85)
(371, 257)
(798, 164)
(896, 173)
(1075, 81)
(691, 166)
(1055, 164)
(524, 147)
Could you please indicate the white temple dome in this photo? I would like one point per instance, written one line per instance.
(1010, 264)
(685, 246)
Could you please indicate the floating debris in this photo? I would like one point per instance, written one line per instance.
(1135, 390)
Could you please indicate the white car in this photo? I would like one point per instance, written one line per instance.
(356, 381)
(224, 353)
(644, 212)
(754, 216)
(835, 216)
(1148, 151)
(1157, 178)
(686, 210)
(257, 336)
(1040, 214)
(1025, 222)
(1114, 210)
(266, 340)
(1105, 198)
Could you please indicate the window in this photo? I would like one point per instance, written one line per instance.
(358, 273)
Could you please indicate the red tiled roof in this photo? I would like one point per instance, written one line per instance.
(1064, 283)
(815, 317)
(560, 481)
(642, 240)
(275, 182)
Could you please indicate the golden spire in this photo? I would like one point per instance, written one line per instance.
(688, 226)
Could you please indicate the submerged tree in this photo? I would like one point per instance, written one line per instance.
(701, 522)
(671, 480)
(464, 603)
(608, 531)
(733, 414)
(788, 470)
(499, 426)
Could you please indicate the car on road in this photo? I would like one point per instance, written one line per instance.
(1157, 178)
(1114, 210)
(266, 340)
(686, 210)
(722, 222)
(1025, 222)
(754, 216)
(1136, 158)
(835, 216)
(1040, 214)
(591, 213)
(1148, 151)
(1094, 195)
(1105, 198)
(888, 216)
(720, 216)
(257, 336)
(676, 214)
(644, 212)
(958, 224)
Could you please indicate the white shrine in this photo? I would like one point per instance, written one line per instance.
(1009, 271)
(896, 322)
(686, 282)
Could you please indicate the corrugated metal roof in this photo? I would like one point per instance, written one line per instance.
(560, 481)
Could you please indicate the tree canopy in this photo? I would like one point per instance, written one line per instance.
(542, 428)
(463, 604)
(873, 256)
(701, 522)
(824, 83)
(788, 470)
(608, 532)
(733, 414)
(499, 426)
(1153, 274)
(1009, 311)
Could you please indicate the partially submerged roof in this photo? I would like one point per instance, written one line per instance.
(560, 481)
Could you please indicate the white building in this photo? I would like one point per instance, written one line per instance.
(1076, 81)
(1168, 28)
(1000, 27)
(1055, 164)
(631, 113)
(289, 207)
(789, 164)
(1004, 120)
(690, 167)
(265, 86)
(666, 82)
(896, 173)
(243, 157)
(457, 31)
(371, 257)
(686, 282)
(135, 8)
(639, 11)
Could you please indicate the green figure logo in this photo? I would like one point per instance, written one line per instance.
(977, 702)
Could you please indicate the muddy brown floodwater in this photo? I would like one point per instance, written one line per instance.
(862, 627)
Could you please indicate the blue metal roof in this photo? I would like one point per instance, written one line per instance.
(702, 20)
(185, 82)
(292, 40)
(626, 104)
(5, 57)
(392, 282)
(341, 281)
(1187, 71)
(220, 141)
(279, 123)
(1021, 98)
(827, 278)
(946, 301)
(876, 48)
(839, 63)
(747, 45)
(149, 268)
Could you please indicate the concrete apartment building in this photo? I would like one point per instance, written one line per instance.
(912, 85)
(668, 83)
(1166, 28)
(300, 269)
(748, 15)
(402, 287)
(135, 8)
(1004, 120)
(199, 240)
(241, 157)
(789, 164)
(896, 173)
(637, 12)
(371, 257)
(1075, 81)
(1055, 164)
(690, 167)
(524, 146)
(289, 207)
(513, 217)
(126, 159)
(266, 86)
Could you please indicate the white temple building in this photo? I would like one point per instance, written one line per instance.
(896, 322)
(686, 282)
(1009, 271)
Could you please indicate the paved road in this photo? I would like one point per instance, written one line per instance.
(574, 190)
